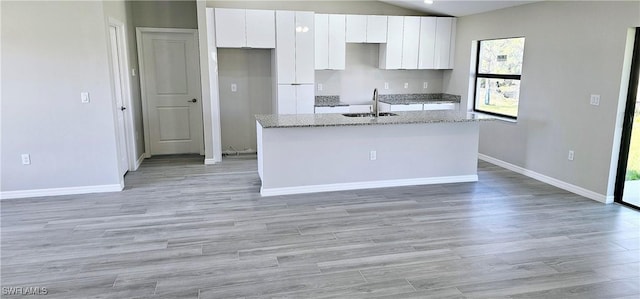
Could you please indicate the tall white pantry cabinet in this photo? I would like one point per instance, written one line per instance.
(295, 54)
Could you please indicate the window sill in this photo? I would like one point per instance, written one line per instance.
(504, 119)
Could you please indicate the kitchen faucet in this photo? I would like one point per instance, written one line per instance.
(376, 109)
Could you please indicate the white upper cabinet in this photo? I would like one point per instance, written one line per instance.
(261, 29)
(240, 28)
(304, 35)
(330, 42)
(295, 52)
(366, 29)
(426, 57)
(391, 52)
(445, 42)
(410, 43)
(230, 28)
(322, 42)
(356, 31)
(376, 29)
(337, 46)
(403, 39)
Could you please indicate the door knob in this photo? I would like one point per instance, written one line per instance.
(193, 100)
(123, 108)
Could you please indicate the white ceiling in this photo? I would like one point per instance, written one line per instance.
(456, 8)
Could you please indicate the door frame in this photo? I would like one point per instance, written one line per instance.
(123, 61)
(143, 93)
(625, 144)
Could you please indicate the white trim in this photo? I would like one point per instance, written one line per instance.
(549, 180)
(367, 185)
(123, 61)
(141, 73)
(139, 162)
(61, 191)
(211, 161)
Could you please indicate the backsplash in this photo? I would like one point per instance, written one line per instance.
(355, 84)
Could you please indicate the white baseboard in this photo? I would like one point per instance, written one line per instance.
(60, 191)
(210, 161)
(139, 161)
(549, 180)
(366, 185)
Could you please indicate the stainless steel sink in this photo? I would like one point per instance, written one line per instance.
(368, 114)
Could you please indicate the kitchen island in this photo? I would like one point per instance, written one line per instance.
(330, 152)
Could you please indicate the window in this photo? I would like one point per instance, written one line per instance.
(498, 70)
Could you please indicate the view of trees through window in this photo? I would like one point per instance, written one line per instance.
(499, 67)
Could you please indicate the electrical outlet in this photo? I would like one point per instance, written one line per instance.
(425, 85)
(372, 155)
(595, 100)
(571, 155)
(234, 87)
(133, 72)
(320, 86)
(26, 159)
(386, 85)
(84, 97)
(406, 85)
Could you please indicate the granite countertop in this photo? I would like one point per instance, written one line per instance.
(335, 120)
(329, 101)
(419, 98)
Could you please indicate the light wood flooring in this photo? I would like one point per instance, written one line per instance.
(181, 229)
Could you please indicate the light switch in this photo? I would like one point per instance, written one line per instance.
(425, 85)
(133, 72)
(84, 96)
(234, 87)
(595, 100)
(26, 159)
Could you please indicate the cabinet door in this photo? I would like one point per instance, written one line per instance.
(444, 28)
(305, 99)
(322, 42)
(376, 29)
(391, 52)
(410, 42)
(427, 43)
(337, 46)
(356, 29)
(230, 28)
(261, 29)
(440, 106)
(286, 99)
(285, 47)
(304, 49)
(410, 107)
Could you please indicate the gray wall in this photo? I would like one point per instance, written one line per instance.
(572, 50)
(343, 7)
(165, 14)
(51, 53)
(250, 70)
(355, 84)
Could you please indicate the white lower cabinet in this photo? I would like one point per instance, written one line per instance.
(295, 99)
(440, 106)
(408, 107)
(336, 109)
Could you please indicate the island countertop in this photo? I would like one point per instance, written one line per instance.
(334, 119)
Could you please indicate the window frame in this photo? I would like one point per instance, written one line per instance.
(493, 76)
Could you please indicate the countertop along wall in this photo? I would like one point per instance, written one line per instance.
(572, 49)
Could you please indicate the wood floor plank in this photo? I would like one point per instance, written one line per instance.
(185, 230)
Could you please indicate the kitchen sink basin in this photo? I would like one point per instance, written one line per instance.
(368, 114)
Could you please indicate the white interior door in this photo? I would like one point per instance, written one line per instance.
(171, 91)
(118, 94)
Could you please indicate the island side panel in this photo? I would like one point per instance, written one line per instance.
(312, 159)
(259, 147)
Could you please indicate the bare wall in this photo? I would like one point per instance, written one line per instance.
(572, 49)
(50, 54)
